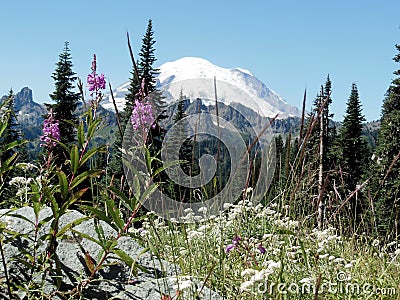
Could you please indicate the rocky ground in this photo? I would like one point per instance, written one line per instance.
(154, 279)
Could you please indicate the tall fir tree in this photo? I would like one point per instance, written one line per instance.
(353, 149)
(351, 154)
(66, 100)
(387, 171)
(148, 75)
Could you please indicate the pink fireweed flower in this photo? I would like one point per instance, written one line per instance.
(142, 116)
(95, 82)
(51, 131)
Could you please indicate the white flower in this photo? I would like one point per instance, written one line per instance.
(182, 283)
(375, 243)
(338, 260)
(188, 210)
(18, 181)
(203, 209)
(274, 265)
(193, 234)
(227, 205)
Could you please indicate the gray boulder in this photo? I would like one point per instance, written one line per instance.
(153, 278)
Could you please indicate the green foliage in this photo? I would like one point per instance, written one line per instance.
(11, 149)
(353, 152)
(66, 100)
(387, 168)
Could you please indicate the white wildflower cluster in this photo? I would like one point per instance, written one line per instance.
(19, 181)
(326, 239)
(186, 285)
(254, 277)
(286, 223)
(189, 216)
(22, 184)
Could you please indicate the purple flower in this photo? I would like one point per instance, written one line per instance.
(142, 115)
(236, 240)
(95, 82)
(235, 243)
(262, 249)
(229, 248)
(51, 131)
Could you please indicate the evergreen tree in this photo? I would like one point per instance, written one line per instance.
(148, 74)
(66, 99)
(351, 152)
(387, 174)
(147, 59)
(11, 133)
(352, 145)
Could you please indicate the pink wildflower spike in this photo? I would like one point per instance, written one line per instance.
(51, 131)
(95, 82)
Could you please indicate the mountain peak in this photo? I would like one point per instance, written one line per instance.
(264, 101)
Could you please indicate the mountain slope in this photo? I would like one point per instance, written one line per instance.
(194, 76)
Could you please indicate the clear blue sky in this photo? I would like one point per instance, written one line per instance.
(289, 45)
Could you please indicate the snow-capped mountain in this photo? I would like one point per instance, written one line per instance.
(195, 78)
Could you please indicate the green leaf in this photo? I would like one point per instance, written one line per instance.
(92, 128)
(72, 123)
(74, 155)
(148, 159)
(12, 145)
(81, 134)
(99, 230)
(69, 226)
(7, 165)
(78, 195)
(54, 205)
(90, 153)
(153, 249)
(22, 218)
(115, 214)
(88, 237)
(3, 127)
(123, 256)
(150, 190)
(65, 147)
(120, 195)
(167, 165)
(82, 177)
(63, 182)
(97, 213)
